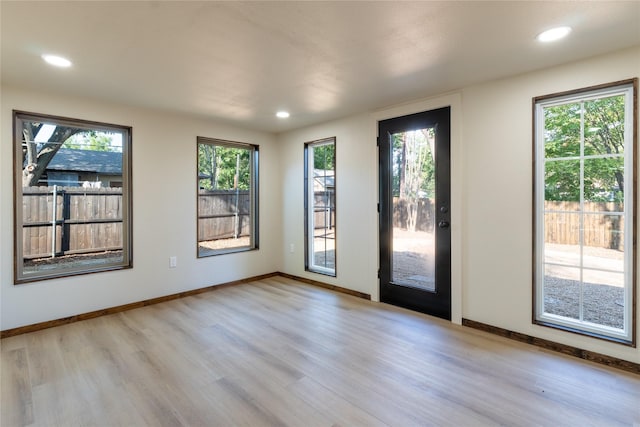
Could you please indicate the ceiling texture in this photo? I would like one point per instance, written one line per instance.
(241, 62)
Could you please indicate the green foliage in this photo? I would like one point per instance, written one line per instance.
(324, 157)
(218, 166)
(413, 164)
(598, 125)
(92, 140)
(562, 131)
(562, 180)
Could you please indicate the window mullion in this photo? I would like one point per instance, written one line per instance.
(582, 213)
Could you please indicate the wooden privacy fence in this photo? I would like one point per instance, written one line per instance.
(223, 214)
(324, 209)
(600, 228)
(425, 214)
(79, 220)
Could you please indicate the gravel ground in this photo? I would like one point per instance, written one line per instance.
(602, 290)
(602, 304)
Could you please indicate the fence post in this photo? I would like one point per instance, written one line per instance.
(64, 225)
(237, 185)
(54, 208)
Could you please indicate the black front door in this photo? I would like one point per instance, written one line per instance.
(415, 212)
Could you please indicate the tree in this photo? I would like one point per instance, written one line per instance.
(91, 140)
(226, 168)
(324, 157)
(37, 156)
(207, 165)
(599, 126)
(413, 170)
(600, 123)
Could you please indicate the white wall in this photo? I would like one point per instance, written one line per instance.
(357, 197)
(498, 200)
(356, 201)
(491, 161)
(491, 195)
(164, 212)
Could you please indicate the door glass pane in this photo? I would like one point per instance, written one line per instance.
(413, 188)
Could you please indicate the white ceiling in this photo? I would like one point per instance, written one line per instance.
(242, 61)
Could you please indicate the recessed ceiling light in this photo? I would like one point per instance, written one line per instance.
(553, 34)
(282, 114)
(57, 61)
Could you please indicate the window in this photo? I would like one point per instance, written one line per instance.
(68, 219)
(320, 206)
(227, 197)
(584, 209)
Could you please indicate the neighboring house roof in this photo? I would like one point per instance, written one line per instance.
(324, 178)
(104, 162)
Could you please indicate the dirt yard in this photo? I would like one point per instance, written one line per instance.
(210, 246)
(413, 259)
(70, 261)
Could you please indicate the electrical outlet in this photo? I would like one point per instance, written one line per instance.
(292, 248)
(173, 261)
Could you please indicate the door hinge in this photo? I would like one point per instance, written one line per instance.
(378, 273)
(378, 207)
(378, 141)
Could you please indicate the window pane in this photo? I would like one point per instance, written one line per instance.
(562, 180)
(562, 239)
(562, 130)
(324, 216)
(604, 182)
(562, 291)
(226, 197)
(604, 242)
(320, 195)
(70, 218)
(604, 126)
(603, 298)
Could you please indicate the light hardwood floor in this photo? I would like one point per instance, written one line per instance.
(279, 352)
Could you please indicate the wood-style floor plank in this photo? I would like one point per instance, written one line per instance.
(281, 352)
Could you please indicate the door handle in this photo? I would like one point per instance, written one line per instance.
(443, 224)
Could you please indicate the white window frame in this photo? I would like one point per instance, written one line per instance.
(309, 209)
(626, 335)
